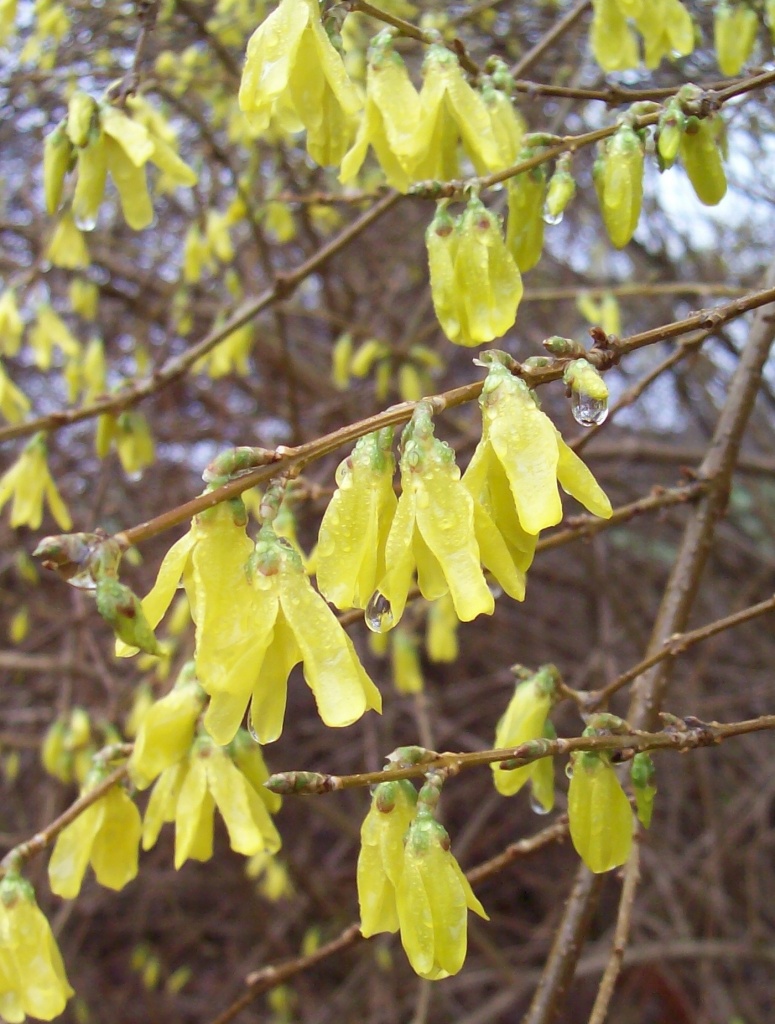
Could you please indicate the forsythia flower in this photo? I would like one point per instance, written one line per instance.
(105, 835)
(284, 621)
(475, 283)
(701, 158)
(525, 224)
(29, 482)
(618, 176)
(667, 29)
(294, 75)
(13, 402)
(32, 975)
(524, 720)
(11, 325)
(433, 897)
(599, 814)
(355, 526)
(441, 632)
(521, 443)
(433, 529)
(390, 117)
(254, 622)
(614, 44)
(450, 110)
(188, 793)
(67, 247)
(405, 662)
(166, 731)
(380, 861)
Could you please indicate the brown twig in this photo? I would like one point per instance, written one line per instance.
(20, 854)
(621, 935)
(556, 32)
(675, 645)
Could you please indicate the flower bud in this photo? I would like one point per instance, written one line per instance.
(702, 160)
(80, 112)
(619, 183)
(599, 814)
(642, 774)
(525, 226)
(122, 610)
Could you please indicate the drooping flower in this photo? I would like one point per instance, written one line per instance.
(355, 526)
(390, 118)
(618, 175)
(166, 730)
(433, 529)
(433, 898)
(294, 76)
(29, 483)
(32, 975)
(441, 634)
(701, 157)
(599, 814)
(11, 324)
(188, 793)
(667, 29)
(381, 858)
(475, 283)
(105, 835)
(525, 224)
(520, 443)
(14, 404)
(524, 720)
(614, 44)
(284, 621)
(450, 112)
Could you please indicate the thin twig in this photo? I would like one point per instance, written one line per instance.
(555, 33)
(675, 645)
(621, 936)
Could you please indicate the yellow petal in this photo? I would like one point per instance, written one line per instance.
(115, 848)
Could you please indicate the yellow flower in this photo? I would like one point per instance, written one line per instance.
(507, 125)
(105, 835)
(450, 111)
(524, 720)
(188, 793)
(701, 158)
(525, 224)
(166, 731)
(11, 325)
(355, 526)
(284, 621)
(48, 332)
(521, 443)
(405, 662)
(599, 814)
(390, 118)
(29, 482)
(432, 530)
(614, 44)
(32, 975)
(294, 75)
(668, 30)
(475, 283)
(618, 175)
(433, 897)
(14, 404)
(58, 153)
(253, 624)
(381, 858)
(441, 633)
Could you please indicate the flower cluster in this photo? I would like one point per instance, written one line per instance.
(408, 879)
(257, 615)
(29, 482)
(99, 139)
(665, 26)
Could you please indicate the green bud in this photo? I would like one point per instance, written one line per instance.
(581, 376)
(642, 774)
(669, 133)
(122, 610)
(562, 188)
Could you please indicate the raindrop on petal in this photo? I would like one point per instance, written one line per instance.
(552, 218)
(378, 614)
(252, 731)
(587, 411)
(536, 806)
(85, 223)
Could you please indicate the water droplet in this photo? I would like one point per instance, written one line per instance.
(252, 731)
(344, 476)
(83, 581)
(587, 411)
(135, 477)
(552, 218)
(536, 806)
(496, 590)
(569, 770)
(378, 614)
(85, 223)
